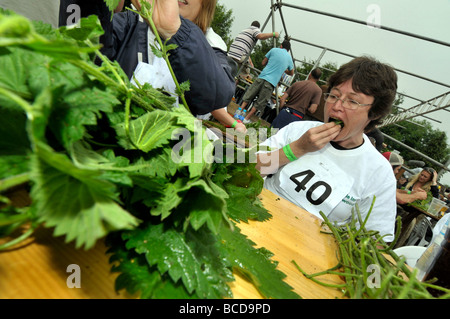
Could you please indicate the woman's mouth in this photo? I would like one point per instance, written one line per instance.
(337, 121)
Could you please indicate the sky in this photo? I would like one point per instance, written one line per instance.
(427, 59)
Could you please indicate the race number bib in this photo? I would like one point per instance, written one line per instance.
(315, 183)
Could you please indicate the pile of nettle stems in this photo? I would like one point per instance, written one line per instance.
(361, 252)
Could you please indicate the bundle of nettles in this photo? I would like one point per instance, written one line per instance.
(97, 157)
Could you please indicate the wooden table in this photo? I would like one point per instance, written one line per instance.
(293, 234)
(416, 210)
(38, 268)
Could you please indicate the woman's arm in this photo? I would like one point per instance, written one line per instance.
(226, 119)
(405, 197)
(434, 186)
(283, 100)
(211, 82)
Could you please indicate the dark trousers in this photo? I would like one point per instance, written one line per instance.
(287, 115)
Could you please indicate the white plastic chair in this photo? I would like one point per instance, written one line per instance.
(417, 237)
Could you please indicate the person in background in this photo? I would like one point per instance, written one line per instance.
(378, 136)
(426, 180)
(244, 42)
(300, 96)
(277, 61)
(333, 168)
(201, 12)
(396, 161)
(402, 181)
(194, 59)
(447, 199)
(403, 196)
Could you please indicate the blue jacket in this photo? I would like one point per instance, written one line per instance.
(207, 70)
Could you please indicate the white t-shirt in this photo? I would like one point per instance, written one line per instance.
(215, 40)
(333, 181)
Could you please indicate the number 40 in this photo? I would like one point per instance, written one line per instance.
(301, 185)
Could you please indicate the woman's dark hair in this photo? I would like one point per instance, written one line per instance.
(372, 78)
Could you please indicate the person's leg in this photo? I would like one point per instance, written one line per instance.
(249, 115)
(264, 95)
(251, 92)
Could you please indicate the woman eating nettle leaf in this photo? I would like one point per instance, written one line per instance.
(332, 167)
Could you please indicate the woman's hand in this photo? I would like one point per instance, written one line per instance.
(240, 128)
(315, 138)
(166, 16)
(420, 194)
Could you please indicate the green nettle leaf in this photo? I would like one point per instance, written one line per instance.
(75, 201)
(193, 149)
(13, 25)
(11, 165)
(13, 137)
(78, 104)
(241, 207)
(169, 47)
(170, 200)
(185, 86)
(149, 131)
(137, 276)
(160, 164)
(89, 28)
(84, 157)
(208, 207)
(203, 203)
(200, 269)
(39, 115)
(14, 71)
(157, 52)
(57, 49)
(255, 265)
(155, 96)
(112, 4)
(242, 183)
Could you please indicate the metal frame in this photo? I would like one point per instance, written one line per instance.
(424, 107)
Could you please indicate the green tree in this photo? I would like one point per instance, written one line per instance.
(303, 68)
(421, 136)
(222, 22)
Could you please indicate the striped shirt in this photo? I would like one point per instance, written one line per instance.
(244, 43)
